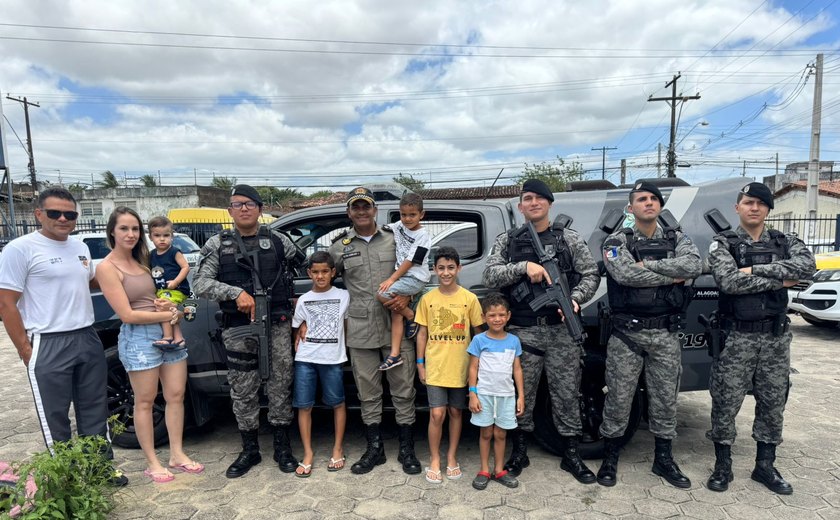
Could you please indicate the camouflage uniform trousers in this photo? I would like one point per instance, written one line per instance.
(245, 384)
(663, 368)
(561, 359)
(757, 360)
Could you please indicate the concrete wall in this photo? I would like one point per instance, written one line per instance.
(153, 201)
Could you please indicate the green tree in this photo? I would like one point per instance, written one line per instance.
(410, 182)
(149, 180)
(274, 196)
(320, 194)
(225, 183)
(109, 180)
(555, 175)
(76, 188)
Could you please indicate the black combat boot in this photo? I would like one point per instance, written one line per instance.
(665, 467)
(283, 449)
(249, 457)
(572, 462)
(722, 475)
(765, 473)
(374, 455)
(409, 461)
(607, 475)
(518, 454)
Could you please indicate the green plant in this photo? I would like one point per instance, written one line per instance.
(73, 481)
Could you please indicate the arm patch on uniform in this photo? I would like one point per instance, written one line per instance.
(610, 252)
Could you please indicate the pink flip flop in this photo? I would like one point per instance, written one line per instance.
(188, 467)
(159, 477)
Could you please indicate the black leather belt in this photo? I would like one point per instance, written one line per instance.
(672, 322)
(531, 321)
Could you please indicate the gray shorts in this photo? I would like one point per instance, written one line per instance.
(440, 396)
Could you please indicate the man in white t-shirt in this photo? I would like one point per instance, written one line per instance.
(320, 353)
(47, 311)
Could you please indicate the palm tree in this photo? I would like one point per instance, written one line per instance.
(226, 183)
(149, 180)
(109, 180)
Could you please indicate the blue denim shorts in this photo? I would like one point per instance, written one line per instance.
(138, 353)
(306, 382)
(404, 286)
(497, 410)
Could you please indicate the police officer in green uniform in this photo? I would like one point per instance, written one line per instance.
(232, 264)
(364, 257)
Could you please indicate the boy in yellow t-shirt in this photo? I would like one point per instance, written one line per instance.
(447, 316)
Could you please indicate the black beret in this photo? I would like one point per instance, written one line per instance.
(759, 191)
(539, 187)
(247, 191)
(360, 193)
(650, 188)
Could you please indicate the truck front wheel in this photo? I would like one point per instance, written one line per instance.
(591, 410)
(121, 404)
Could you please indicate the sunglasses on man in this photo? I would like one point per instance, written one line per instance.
(55, 214)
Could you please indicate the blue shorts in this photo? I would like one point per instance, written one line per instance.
(306, 382)
(138, 353)
(404, 286)
(497, 410)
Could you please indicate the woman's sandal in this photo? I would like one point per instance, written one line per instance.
(433, 477)
(307, 470)
(159, 477)
(188, 467)
(391, 362)
(454, 473)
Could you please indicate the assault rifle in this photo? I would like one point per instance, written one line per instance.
(557, 294)
(260, 328)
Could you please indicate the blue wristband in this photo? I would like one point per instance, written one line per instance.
(421, 361)
(474, 390)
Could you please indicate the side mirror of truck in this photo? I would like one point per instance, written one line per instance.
(669, 221)
(562, 222)
(611, 221)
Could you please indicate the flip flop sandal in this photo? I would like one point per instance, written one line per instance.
(159, 477)
(164, 342)
(481, 480)
(454, 473)
(391, 362)
(506, 479)
(307, 470)
(188, 467)
(336, 464)
(433, 477)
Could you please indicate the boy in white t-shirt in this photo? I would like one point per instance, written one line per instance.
(320, 353)
(412, 272)
(496, 392)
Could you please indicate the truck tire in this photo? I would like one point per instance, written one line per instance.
(121, 404)
(592, 412)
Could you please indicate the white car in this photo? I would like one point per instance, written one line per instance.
(818, 299)
(98, 246)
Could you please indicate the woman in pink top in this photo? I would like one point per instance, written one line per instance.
(127, 284)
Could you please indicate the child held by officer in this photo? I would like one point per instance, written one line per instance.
(447, 317)
(320, 352)
(494, 402)
(169, 270)
(412, 242)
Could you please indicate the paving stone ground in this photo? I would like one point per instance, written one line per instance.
(809, 459)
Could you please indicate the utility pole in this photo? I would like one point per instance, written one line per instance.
(7, 176)
(195, 177)
(623, 171)
(672, 102)
(26, 105)
(604, 160)
(159, 184)
(659, 160)
(814, 156)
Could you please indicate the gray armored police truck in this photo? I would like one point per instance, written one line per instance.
(593, 208)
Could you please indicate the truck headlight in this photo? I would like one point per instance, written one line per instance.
(827, 275)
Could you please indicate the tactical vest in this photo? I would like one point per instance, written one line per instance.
(520, 248)
(648, 301)
(234, 270)
(756, 306)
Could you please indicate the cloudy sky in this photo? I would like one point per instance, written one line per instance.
(336, 93)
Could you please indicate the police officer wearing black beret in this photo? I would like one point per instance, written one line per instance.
(232, 264)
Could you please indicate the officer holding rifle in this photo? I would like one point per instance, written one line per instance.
(753, 266)
(248, 270)
(515, 267)
(647, 266)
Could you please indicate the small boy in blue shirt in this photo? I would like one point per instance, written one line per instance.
(494, 368)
